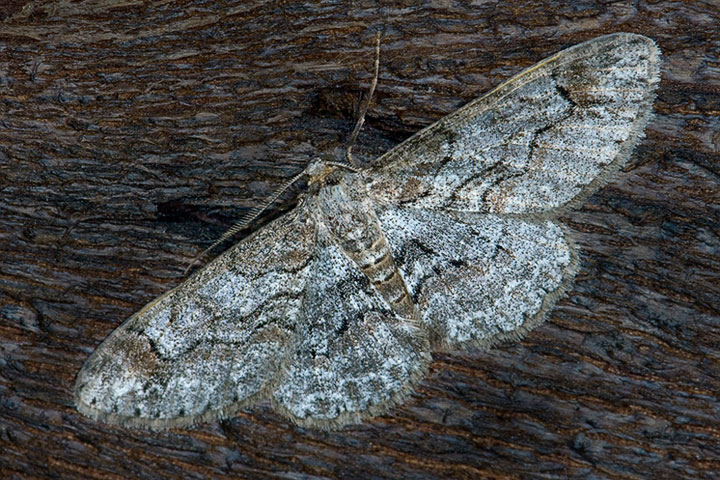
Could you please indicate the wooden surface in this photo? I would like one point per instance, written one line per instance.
(133, 132)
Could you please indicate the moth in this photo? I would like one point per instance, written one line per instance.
(449, 241)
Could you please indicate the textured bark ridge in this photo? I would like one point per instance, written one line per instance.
(132, 133)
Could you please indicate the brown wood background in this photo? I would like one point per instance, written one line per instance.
(133, 131)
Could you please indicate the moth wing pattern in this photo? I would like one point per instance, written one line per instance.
(470, 204)
(281, 316)
(210, 346)
(468, 208)
(538, 143)
(355, 357)
(478, 279)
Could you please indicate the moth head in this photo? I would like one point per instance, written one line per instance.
(319, 172)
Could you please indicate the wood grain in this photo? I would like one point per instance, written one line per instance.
(133, 132)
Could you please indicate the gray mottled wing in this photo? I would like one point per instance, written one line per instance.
(354, 357)
(212, 344)
(546, 137)
(478, 278)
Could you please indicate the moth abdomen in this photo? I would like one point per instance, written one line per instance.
(351, 219)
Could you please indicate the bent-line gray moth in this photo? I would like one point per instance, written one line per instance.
(449, 240)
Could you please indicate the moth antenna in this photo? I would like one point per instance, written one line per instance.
(344, 165)
(247, 219)
(365, 104)
(253, 213)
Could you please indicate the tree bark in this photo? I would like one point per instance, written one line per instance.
(133, 132)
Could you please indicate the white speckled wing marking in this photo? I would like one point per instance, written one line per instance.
(546, 137)
(355, 357)
(478, 278)
(212, 344)
(451, 240)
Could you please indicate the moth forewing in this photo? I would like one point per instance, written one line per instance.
(538, 143)
(450, 240)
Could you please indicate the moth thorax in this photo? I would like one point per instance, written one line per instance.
(320, 173)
